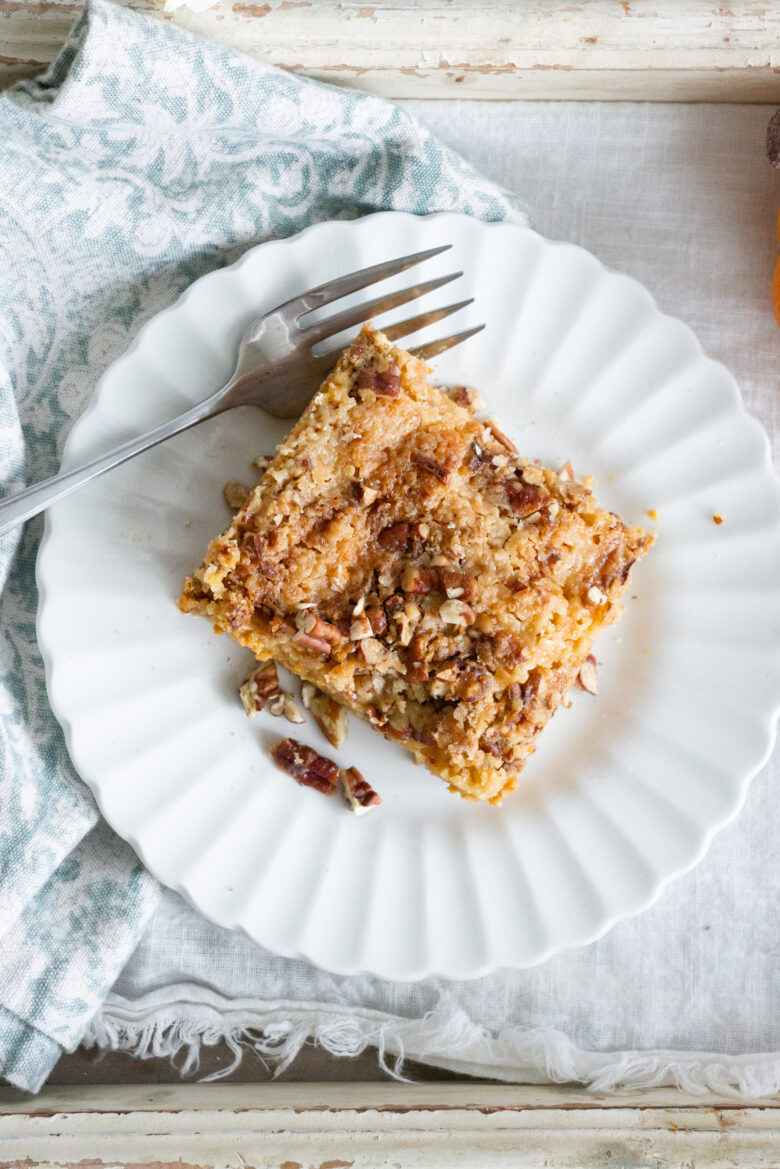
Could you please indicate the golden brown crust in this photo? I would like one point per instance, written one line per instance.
(402, 558)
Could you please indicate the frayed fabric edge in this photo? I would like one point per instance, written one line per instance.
(445, 1037)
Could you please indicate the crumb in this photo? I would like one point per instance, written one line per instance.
(717, 518)
(653, 514)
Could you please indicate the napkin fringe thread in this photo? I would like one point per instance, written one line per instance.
(445, 1037)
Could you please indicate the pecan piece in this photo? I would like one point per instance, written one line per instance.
(395, 537)
(305, 765)
(477, 457)
(377, 619)
(259, 687)
(358, 792)
(417, 580)
(457, 612)
(329, 716)
(586, 679)
(428, 464)
(499, 436)
(526, 499)
(385, 383)
(466, 396)
(467, 585)
(566, 472)
(314, 626)
(316, 644)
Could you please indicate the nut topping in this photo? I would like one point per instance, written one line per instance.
(459, 580)
(478, 456)
(329, 716)
(276, 705)
(566, 472)
(292, 711)
(525, 499)
(315, 627)
(428, 464)
(395, 537)
(262, 463)
(259, 687)
(358, 793)
(385, 383)
(499, 436)
(360, 628)
(377, 620)
(457, 612)
(315, 644)
(468, 397)
(417, 580)
(586, 679)
(305, 765)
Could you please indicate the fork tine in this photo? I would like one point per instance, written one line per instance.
(372, 308)
(354, 281)
(434, 348)
(414, 324)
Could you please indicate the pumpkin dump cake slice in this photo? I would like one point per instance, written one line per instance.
(401, 556)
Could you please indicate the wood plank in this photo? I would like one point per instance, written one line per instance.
(660, 50)
(369, 1126)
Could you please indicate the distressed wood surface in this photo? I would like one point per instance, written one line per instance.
(662, 50)
(282, 1126)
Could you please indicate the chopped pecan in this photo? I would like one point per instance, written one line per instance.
(316, 644)
(377, 620)
(292, 711)
(428, 464)
(360, 628)
(473, 684)
(358, 792)
(526, 499)
(416, 667)
(586, 679)
(364, 494)
(259, 687)
(418, 735)
(515, 693)
(417, 580)
(262, 463)
(235, 494)
(516, 584)
(457, 612)
(459, 580)
(478, 456)
(499, 436)
(395, 537)
(466, 396)
(385, 383)
(491, 745)
(305, 765)
(329, 716)
(266, 566)
(394, 604)
(566, 472)
(314, 626)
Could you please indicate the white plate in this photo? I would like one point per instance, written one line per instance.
(625, 791)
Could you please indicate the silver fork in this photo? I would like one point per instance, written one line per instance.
(276, 369)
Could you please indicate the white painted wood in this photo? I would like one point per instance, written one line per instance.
(662, 50)
(367, 1126)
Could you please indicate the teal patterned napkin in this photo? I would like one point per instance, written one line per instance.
(141, 159)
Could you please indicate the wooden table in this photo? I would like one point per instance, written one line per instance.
(657, 50)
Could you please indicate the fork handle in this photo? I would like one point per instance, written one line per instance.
(18, 508)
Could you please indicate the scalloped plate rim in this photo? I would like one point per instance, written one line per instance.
(705, 837)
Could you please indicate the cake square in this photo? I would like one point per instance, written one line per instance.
(400, 555)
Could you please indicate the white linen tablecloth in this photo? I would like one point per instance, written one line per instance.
(682, 198)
